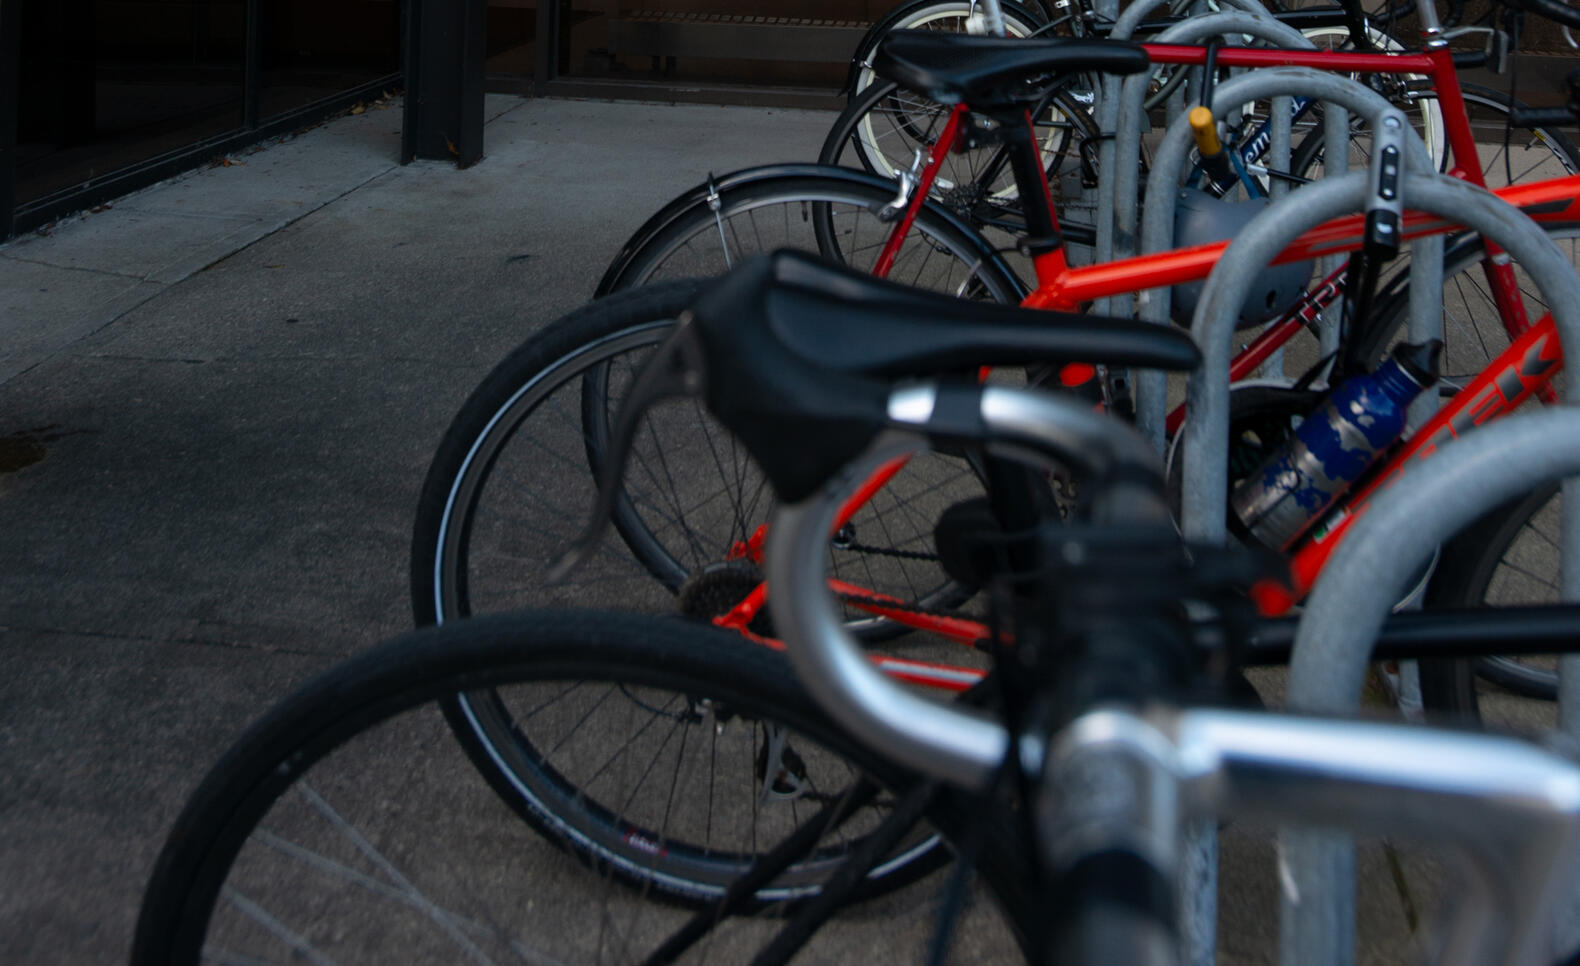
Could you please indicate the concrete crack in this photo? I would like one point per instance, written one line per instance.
(166, 639)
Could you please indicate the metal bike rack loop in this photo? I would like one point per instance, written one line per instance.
(1108, 118)
(1330, 912)
(1344, 614)
(1199, 870)
(1205, 444)
(1172, 158)
(1127, 134)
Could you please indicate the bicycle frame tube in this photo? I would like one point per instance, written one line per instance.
(1522, 370)
(1336, 61)
(935, 159)
(1066, 288)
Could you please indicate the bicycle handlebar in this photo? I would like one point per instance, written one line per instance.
(1531, 117)
(1554, 10)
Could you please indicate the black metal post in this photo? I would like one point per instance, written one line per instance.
(10, 107)
(445, 47)
(546, 61)
(252, 66)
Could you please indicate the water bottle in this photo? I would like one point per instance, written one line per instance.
(1357, 423)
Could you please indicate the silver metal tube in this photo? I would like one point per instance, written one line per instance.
(1514, 808)
(1170, 160)
(1280, 125)
(948, 742)
(1426, 312)
(1107, 112)
(1335, 161)
(951, 743)
(1401, 529)
(1125, 26)
(1127, 135)
(993, 17)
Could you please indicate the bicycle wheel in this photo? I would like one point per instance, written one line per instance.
(836, 212)
(515, 479)
(884, 127)
(1510, 556)
(943, 16)
(1412, 93)
(343, 827)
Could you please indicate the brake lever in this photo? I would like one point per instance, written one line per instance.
(677, 369)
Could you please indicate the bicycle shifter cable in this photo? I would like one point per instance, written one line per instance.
(676, 370)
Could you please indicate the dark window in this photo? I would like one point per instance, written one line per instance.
(797, 43)
(312, 49)
(512, 33)
(110, 83)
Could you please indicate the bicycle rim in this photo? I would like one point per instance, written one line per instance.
(344, 827)
(692, 499)
(835, 215)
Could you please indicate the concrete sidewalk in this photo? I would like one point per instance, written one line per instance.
(218, 398)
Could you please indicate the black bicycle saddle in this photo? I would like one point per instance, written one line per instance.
(955, 68)
(798, 357)
(838, 319)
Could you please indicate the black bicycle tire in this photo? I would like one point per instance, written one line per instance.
(1463, 573)
(1471, 585)
(695, 213)
(425, 665)
(1515, 677)
(460, 478)
(455, 460)
(568, 350)
(905, 13)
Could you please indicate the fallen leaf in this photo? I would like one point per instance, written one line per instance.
(357, 108)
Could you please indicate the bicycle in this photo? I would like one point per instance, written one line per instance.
(1328, 291)
(1096, 634)
(207, 881)
(725, 580)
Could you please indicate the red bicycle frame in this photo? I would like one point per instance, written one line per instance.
(1524, 369)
